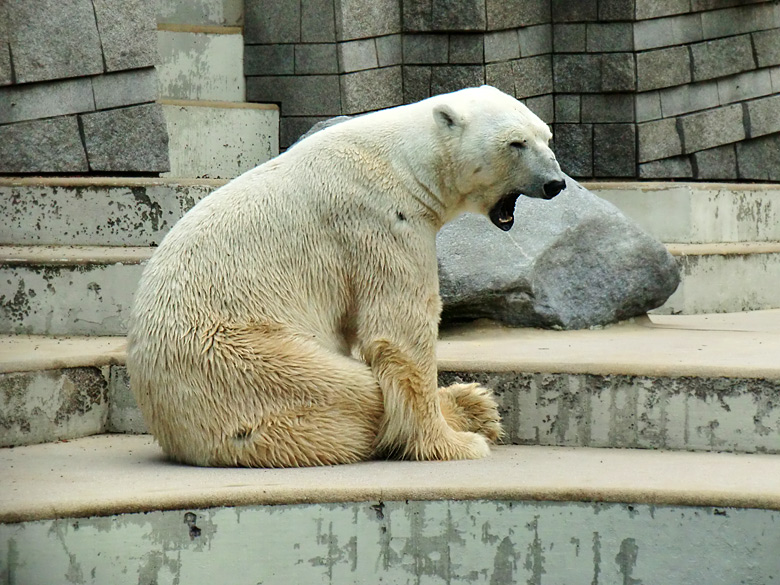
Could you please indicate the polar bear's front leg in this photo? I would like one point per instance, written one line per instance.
(413, 426)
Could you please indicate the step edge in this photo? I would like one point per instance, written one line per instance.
(723, 248)
(282, 490)
(217, 104)
(644, 187)
(207, 29)
(73, 255)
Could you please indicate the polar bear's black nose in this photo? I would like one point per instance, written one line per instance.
(552, 188)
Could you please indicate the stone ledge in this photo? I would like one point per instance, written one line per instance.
(115, 474)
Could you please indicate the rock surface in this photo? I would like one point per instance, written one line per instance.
(571, 263)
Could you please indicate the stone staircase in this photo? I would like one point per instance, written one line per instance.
(638, 453)
(647, 452)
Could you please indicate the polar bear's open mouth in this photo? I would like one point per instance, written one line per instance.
(503, 212)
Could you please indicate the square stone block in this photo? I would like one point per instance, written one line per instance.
(416, 16)
(463, 15)
(611, 107)
(618, 72)
(535, 40)
(52, 145)
(678, 167)
(667, 32)
(610, 37)
(467, 48)
(504, 14)
(128, 33)
(373, 89)
(425, 48)
(692, 97)
(5, 64)
(301, 95)
(577, 73)
(318, 21)
(647, 106)
(359, 19)
(501, 46)
(658, 139)
(45, 100)
(616, 10)
(767, 44)
(657, 8)
(449, 78)
(357, 55)
(763, 116)
(417, 83)
(759, 159)
(579, 11)
(567, 108)
(318, 58)
(501, 76)
(124, 88)
(269, 59)
(712, 128)
(273, 21)
(745, 86)
(716, 163)
(614, 150)
(53, 39)
(389, 50)
(533, 76)
(662, 68)
(738, 20)
(722, 57)
(570, 38)
(542, 106)
(133, 139)
(574, 148)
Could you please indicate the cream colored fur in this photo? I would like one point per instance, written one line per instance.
(290, 318)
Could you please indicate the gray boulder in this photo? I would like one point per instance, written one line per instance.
(572, 262)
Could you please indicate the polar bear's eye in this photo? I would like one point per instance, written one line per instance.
(517, 144)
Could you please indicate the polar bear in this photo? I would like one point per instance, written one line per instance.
(290, 318)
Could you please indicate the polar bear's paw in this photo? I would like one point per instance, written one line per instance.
(471, 408)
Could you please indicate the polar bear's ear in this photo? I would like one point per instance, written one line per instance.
(446, 117)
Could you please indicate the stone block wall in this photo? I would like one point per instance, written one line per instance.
(708, 90)
(633, 88)
(77, 88)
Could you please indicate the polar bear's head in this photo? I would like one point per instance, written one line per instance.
(495, 149)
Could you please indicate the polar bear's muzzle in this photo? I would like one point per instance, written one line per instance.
(502, 213)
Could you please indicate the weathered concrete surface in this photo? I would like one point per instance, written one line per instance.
(89, 294)
(219, 139)
(115, 474)
(200, 12)
(691, 213)
(201, 66)
(428, 542)
(726, 278)
(708, 383)
(50, 405)
(95, 212)
(702, 414)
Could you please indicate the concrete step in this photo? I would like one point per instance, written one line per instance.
(88, 290)
(675, 213)
(120, 514)
(219, 139)
(201, 63)
(704, 382)
(200, 12)
(696, 213)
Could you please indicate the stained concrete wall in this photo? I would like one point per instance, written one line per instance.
(428, 542)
